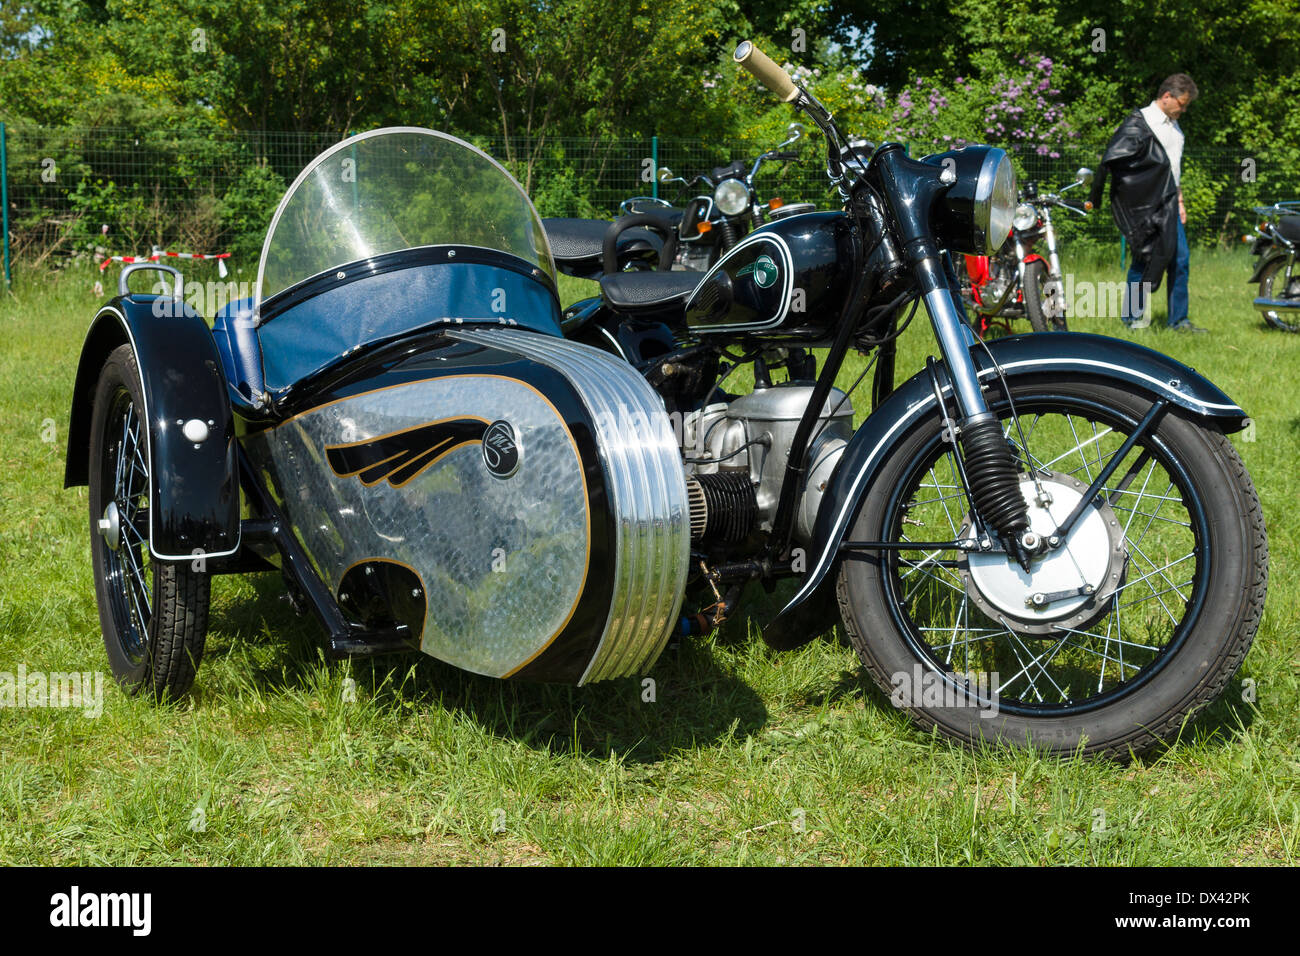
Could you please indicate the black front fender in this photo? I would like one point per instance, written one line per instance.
(1058, 353)
(194, 501)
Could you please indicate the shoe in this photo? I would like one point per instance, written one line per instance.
(1187, 326)
(1141, 322)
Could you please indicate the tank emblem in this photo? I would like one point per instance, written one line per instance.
(501, 451)
(764, 271)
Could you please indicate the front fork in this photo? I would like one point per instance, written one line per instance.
(989, 465)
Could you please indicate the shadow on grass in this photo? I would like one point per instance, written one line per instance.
(692, 702)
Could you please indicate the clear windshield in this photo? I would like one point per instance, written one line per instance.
(394, 189)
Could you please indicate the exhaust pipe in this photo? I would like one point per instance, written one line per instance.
(1278, 305)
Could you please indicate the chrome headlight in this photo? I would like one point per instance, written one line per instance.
(1025, 218)
(731, 197)
(975, 213)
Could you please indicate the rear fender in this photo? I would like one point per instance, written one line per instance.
(1266, 260)
(194, 501)
(1059, 353)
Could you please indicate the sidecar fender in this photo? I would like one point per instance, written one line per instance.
(194, 499)
(1045, 353)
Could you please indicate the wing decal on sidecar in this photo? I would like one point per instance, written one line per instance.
(402, 455)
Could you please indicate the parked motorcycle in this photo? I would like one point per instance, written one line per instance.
(1016, 282)
(716, 220)
(1274, 242)
(653, 233)
(1042, 540)
(1039, 507)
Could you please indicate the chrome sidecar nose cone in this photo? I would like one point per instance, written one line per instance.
(110, 526)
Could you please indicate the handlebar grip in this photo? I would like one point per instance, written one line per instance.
(766, 71)
(784, 155)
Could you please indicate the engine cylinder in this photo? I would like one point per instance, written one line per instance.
(724, 507)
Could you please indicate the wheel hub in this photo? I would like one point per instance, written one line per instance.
(110, 526)
(1070, 585)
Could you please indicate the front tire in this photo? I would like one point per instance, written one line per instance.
(1176, 613)
(1271, 286)
(154, 614)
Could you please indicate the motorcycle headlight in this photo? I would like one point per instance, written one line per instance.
(731, 197)
(975, 213)
(1026, 216)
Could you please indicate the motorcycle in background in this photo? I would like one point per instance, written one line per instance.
(652, 233)
(1275, 241)
(714, 221)
(1017, 282)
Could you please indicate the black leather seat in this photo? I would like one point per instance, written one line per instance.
(576, 244)
(1288, 227)
(648, 291)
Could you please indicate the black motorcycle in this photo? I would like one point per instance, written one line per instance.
(1274, 242)
(652, 233)
(716, 220)
(1044, 539)
(1038, 539)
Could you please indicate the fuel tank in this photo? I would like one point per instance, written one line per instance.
(785, 281)
(517, 498)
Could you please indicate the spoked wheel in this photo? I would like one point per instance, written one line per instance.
(1044, 299)
(154, 614)
(1273, 284)
(1113, 639)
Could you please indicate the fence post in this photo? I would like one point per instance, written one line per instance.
(4, 203)
(654, 162)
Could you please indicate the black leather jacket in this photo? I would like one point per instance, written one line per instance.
(1143, 195)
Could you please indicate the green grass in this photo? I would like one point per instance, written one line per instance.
(431, 765)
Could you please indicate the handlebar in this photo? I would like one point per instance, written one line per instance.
(766, 71)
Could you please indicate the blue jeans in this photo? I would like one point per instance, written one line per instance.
(1135, 303)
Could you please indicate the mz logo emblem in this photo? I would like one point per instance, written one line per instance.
(501, 451)
(764, 271)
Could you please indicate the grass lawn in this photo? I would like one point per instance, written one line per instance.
(745, 756)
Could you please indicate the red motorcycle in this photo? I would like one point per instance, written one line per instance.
(1017, 282)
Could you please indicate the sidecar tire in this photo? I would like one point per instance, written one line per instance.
(1195, 674)
(154, 634)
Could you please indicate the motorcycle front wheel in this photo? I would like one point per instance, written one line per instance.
(1273, 285)
(1113, 640)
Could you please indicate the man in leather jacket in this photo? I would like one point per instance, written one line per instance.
(1144, 161)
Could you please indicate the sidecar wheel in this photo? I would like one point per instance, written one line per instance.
(1176, 554)
(154, 614)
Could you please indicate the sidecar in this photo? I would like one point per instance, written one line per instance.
(395, 423)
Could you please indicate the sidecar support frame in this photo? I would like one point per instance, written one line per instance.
(344, 638)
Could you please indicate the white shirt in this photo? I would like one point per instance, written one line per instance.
(1170, 135)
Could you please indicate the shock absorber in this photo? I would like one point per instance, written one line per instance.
(994, 481)
(728, 233)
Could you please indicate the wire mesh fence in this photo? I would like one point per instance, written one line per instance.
(75, 192)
